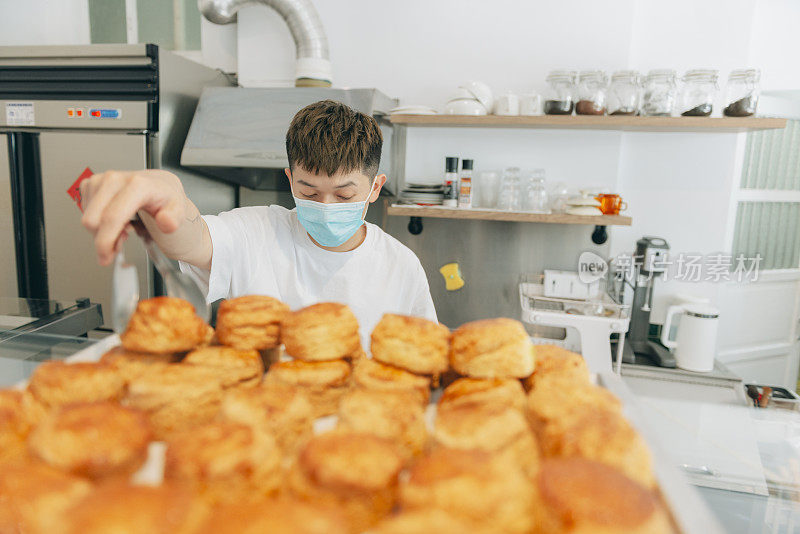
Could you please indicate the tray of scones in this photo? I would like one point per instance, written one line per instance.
(279, 422)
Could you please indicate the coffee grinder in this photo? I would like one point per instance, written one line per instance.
(649, 262)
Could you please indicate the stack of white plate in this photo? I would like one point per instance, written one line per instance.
(413, 110)
(432, 194)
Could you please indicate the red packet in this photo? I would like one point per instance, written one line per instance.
(75, 191)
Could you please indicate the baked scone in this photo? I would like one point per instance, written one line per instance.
(227, 462)
(324, 331)
(373, 375)
(502, 431)
(397, 417)
(14, 426)
(132, 364)
(427, 521)
(473, 487)
(557, 363)
(34, 497)
(121, 508)
(607, 437)
(234, 367)
(280, 409)
(250, 322)
(553, 405)
(55, 383)
(579, 496)
(355, 473)
(97, 440)
(323, 383)
(492, 348)
(163, 325)
(412, 343)
(176, 397)
(275, 516)
(499, 392)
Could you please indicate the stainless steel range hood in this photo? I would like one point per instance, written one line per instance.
(238, 134)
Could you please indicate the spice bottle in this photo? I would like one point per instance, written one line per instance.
(660, 93)
(591, 93)
(560, 99)
(450, 182)
(741, 93)
(697, 96)
(623, 93)
(465, 184)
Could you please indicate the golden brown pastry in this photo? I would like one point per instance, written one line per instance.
(14, 426)
(552, 405)
(234, 367)
(250, 322)
(397, 417)
(607, 437)
(355, 473)
(557, 363)
(176, 397)
(492, 348)
(227, 462)
(373, 375)
(324, 331)
(34, 497)
(578, 496)
(131, 364)
(473, 487)
(500, 392)
(427, 521)
(127, 509)
(412, 343)
(501, 431)
(96, 440)
(275, 516)
(323, 383)
(163, 325)
(55, 383)
(277, 408)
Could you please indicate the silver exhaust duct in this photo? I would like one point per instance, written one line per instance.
(313, 58)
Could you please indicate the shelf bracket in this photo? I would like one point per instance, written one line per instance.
(415, 225)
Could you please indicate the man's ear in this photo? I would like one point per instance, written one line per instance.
(380, 181)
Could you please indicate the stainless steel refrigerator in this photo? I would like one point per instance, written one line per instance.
(71, 110)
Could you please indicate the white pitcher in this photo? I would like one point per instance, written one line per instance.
(696, 342)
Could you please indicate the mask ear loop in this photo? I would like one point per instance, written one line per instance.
(366, 201)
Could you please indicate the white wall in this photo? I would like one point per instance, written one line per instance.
(44, 22)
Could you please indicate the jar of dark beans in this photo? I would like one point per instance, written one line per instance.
(741, 93)
(560, 96)
(592, 86)
(660, 93)
(623, 93)
(697, 96)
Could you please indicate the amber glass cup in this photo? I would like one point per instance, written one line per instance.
(611, 204)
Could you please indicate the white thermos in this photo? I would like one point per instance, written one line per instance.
(696, 340)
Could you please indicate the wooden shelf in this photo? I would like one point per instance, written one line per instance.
(515, 216)
(590, 122)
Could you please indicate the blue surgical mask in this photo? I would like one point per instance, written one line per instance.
(331, 224)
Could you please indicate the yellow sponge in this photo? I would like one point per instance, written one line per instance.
(452, 276)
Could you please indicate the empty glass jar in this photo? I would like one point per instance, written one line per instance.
(741, 93)
(560, 96)
(536, 199)
(509, 197)
(660, 93)
(697, 96)
(591, 93)
(623, 93)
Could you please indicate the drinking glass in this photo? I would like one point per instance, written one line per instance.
(509, 198)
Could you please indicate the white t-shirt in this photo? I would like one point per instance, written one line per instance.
(264, 250)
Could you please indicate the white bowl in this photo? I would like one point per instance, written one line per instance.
(464, 106)
(462, 93)
(482, 92)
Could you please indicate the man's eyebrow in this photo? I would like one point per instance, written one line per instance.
(348, 184)
(303, 182)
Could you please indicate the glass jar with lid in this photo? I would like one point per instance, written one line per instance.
(592, 86)
(624, 93)
(697, 96)
(660, 93)
(741, 93)
(560, 96)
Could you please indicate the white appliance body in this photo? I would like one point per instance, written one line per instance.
(696, 342)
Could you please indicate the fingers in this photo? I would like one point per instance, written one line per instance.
(116, 216)
(96, 192)
(169, 216)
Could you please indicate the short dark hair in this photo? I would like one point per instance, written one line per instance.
(327, 137)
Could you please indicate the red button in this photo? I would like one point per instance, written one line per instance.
(70, 112)
(95, 113)
(79, 112)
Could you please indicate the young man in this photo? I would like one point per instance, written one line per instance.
(320, 251)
